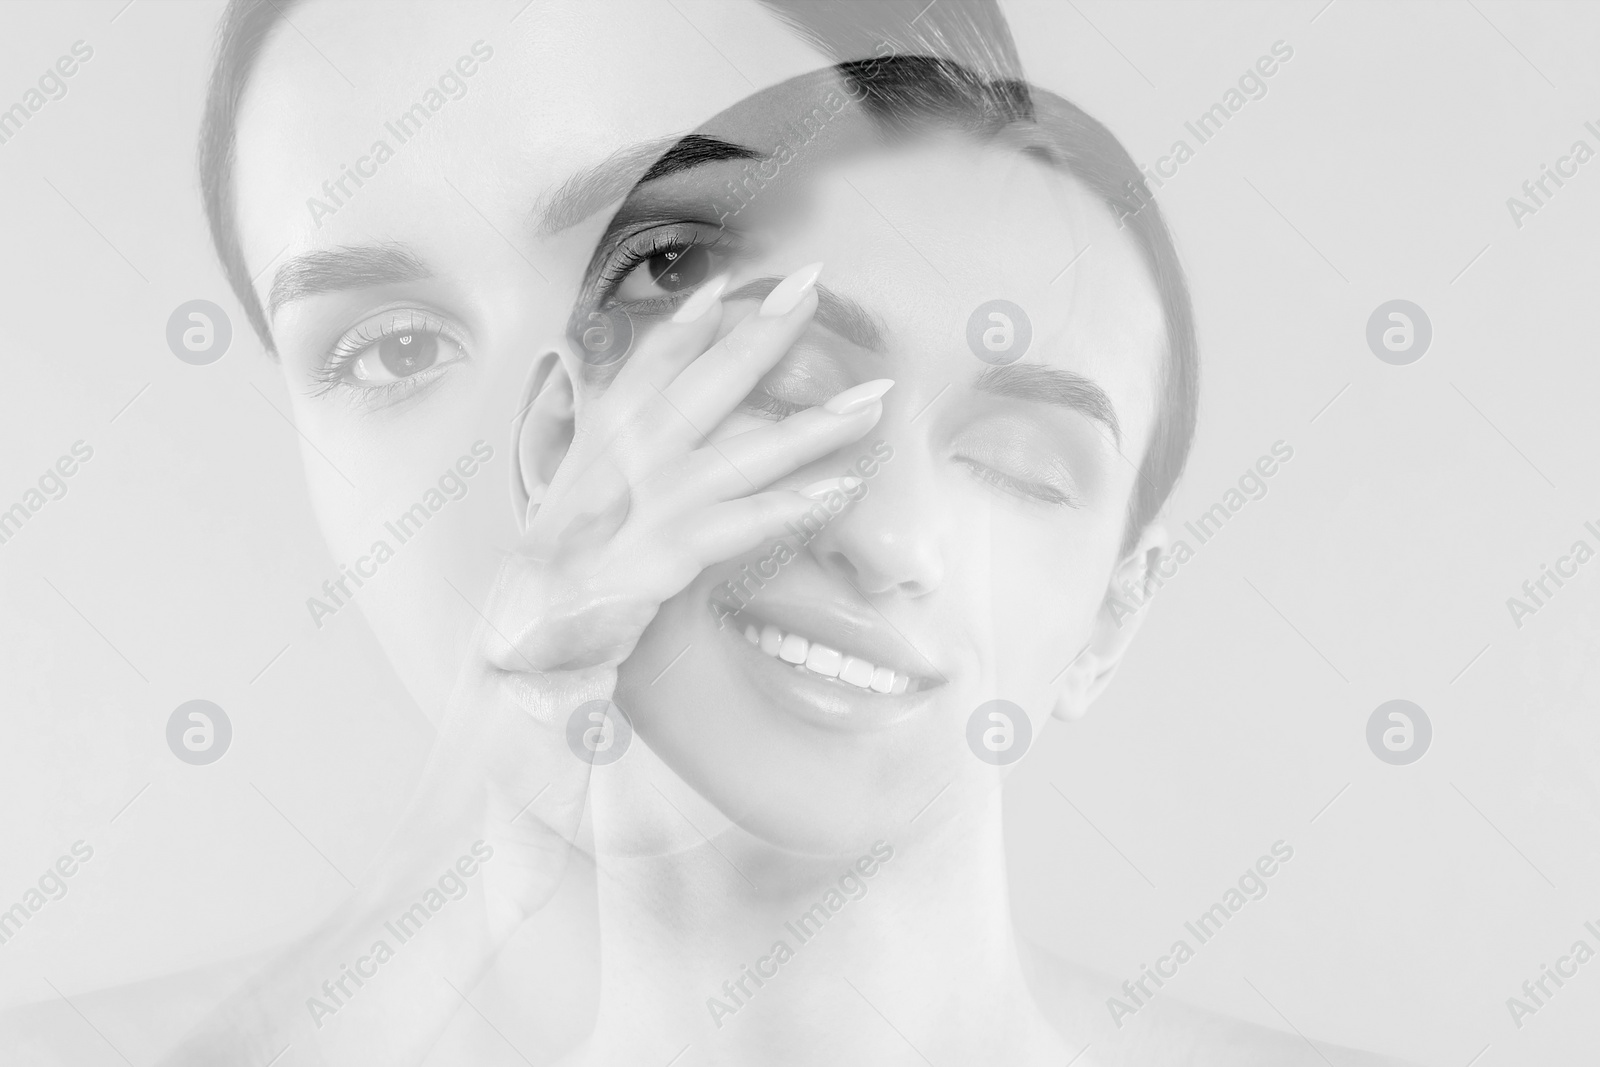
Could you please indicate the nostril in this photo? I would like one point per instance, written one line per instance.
(841, 563)
(889, 562)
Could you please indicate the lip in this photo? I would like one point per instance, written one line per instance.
(823, 701)
(850, 627)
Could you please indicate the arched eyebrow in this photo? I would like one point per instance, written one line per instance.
(332, 270)
(614, 177)
(1044, 384)
(841, 314)
(587, 191)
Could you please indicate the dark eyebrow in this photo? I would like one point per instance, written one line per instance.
(1044, 384)
(337, 269)
(696, 150)
(835, 312)
(614, 177)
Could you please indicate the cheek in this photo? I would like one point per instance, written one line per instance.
(1039, 586)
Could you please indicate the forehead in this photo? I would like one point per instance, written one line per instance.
(975, 217)
(928, 229)
(956, 225)
(557, 86)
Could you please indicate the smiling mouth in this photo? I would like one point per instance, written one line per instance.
(826, 663)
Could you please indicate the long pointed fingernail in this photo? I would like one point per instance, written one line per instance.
(701, 302)
(859, 397)
(820, 490)
(790, 291)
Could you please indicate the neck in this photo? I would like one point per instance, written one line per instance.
(753, 954)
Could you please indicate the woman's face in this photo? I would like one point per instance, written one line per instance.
(407, 309)
(978, 554)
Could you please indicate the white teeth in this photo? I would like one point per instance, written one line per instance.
(824, 660)
(793, 649)
(827, 662)
(771, 638)
(858, 672)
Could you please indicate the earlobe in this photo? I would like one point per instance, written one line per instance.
(542, 433)
(1070, 704)
(1069, 708)
(1130, 588)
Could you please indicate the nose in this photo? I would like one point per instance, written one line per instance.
(889, 541)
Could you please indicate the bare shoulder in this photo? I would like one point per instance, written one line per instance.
(1166, 1031)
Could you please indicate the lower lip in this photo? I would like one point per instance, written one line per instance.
(820, 700)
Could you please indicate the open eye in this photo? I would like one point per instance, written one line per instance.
(667, 272)
(400, 355)
(663, 265)
(398, 350)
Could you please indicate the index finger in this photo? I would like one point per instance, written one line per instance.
(712, 386)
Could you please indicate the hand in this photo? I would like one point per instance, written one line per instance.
(641, 505)
(644, 502)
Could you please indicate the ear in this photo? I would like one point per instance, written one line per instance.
(542, 433)
(1133, 582)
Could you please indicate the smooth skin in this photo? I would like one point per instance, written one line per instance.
(641, 508)
(625, 579)
(643, 503)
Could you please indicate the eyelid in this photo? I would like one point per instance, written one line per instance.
(620, 255)
(763, 401)
(389, 322)
(332, 373)
(1018, 463)
(1034, 492)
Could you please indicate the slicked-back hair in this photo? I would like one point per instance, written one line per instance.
(908, 94)
(971, 32)
(953, 62)
(241, 36)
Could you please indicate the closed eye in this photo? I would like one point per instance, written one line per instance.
(1037, 492)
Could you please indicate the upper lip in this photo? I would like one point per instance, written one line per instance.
(854, 629)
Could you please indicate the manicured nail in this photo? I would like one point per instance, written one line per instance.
(859, 398)
(700, 303)
(790, 291)
(820, 490)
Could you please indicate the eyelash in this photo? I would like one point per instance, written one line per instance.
(767, 404)
(1031, 491)
(333, 375)
(629, 252)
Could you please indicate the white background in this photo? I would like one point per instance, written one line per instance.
(1377, 167)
